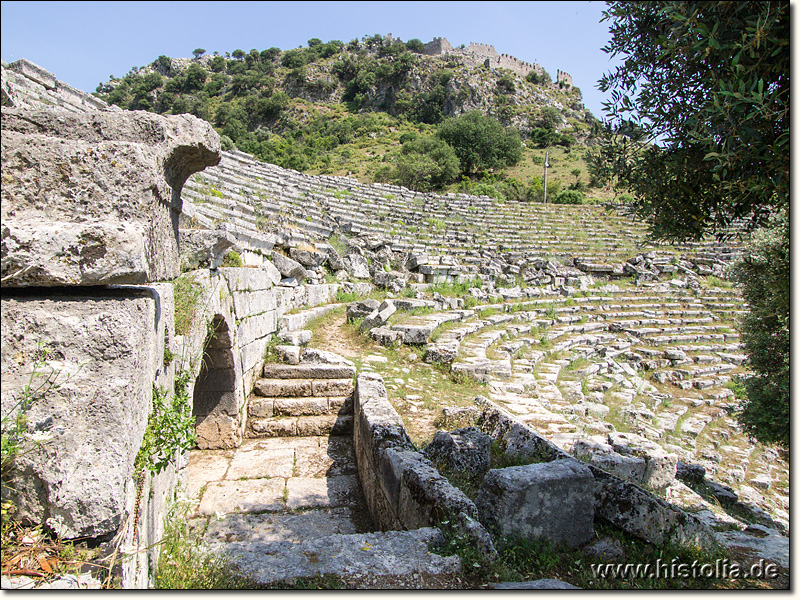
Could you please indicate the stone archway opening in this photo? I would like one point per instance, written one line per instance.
(217, 397)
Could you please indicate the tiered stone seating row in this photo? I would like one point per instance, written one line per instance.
(652, 361)
(264, 198)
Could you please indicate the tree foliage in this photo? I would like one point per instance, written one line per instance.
(481, 142)
(698, 124)
(425, 164)
(266, 102)
(764, 275)
(698, 131)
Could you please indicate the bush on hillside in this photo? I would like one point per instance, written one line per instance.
(425, 164)
(569, 197)
(481, 142)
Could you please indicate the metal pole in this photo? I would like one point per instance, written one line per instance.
(546, 164)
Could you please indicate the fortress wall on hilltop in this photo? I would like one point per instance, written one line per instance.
(478, 54)
(565, 78)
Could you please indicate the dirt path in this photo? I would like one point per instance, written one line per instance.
(333, 339)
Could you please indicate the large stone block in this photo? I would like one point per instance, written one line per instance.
(94, 198)
(642, 514)
(464, 450)
(660, 465)
(552, 500)
(105, 355)
(424, 495)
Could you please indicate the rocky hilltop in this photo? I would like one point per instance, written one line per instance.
(306, 107)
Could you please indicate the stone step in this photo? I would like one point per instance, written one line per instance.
(294, 388)
(394, 555)
(299, 426)
(307, 371)
(261, 407)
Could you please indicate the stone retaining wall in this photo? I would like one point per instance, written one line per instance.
(105, 357)
(402, 488)
(622, 503)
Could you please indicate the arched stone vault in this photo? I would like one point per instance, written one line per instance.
(216, 400)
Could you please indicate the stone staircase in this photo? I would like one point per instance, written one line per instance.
(288, 504)
(301, 400)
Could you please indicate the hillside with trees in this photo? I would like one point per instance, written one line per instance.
(378, 109)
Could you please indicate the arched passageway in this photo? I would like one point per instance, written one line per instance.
(217, 390)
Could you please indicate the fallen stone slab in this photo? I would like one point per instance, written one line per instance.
(397, 553)
(766, 545)
(640, 513)
(288, 267)
(379, 316)
(361, 308)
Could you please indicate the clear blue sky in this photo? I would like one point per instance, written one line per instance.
(83, 43)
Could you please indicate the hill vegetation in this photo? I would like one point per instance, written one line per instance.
(378, 109)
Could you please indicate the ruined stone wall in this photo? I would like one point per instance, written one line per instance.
(438, 46)
(27, 85)
(564, 78)
(478, 54)
(90, 205)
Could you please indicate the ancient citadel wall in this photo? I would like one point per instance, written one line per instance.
(485, 54)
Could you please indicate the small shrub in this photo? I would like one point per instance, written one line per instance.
(569, 197)
(185, 563)
(170, 427)
(232, 259)
(345, 297)
(187, 298)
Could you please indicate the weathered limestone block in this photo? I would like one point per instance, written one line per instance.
(379, 316)
(601, 455)
(386, 337)
(442, 353)
(424, 495)
(519, 440)
(394, 281)
(642, 514)
(552, 500)
(361, 308)
(309, 258)
(660, 465)
(288, 267)
(105, 353)
(203, 248)
(463, 450)
(94, 198)
(356, 265)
